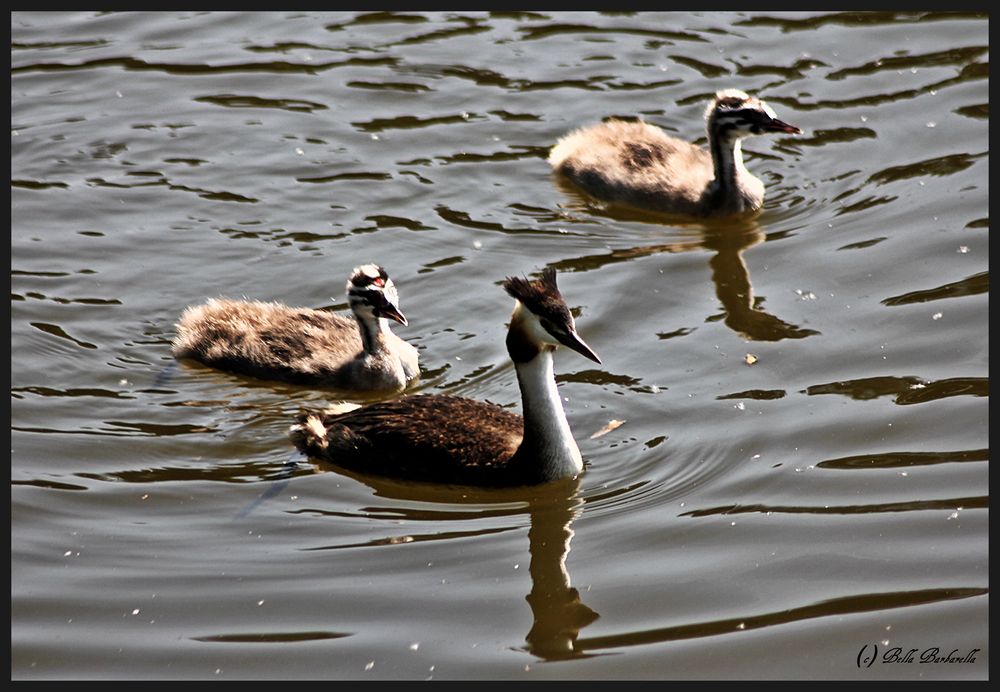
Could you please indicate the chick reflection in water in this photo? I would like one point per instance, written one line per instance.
(731, 277)
(742, 311)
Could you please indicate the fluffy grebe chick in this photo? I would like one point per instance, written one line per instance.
(639, 165)
(306, 346)
(455, 440)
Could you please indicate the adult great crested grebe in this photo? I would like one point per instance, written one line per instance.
(638, 165)
(306, 346)
(455, 440)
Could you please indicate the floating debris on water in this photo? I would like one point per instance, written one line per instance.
(612, 425)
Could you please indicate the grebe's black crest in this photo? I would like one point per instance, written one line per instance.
(542, 298)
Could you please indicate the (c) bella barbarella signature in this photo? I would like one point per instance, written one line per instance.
(869, 654)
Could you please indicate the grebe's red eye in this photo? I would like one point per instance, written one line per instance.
(379, 281)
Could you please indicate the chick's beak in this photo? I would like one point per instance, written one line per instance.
(780, 126)
(393, 313)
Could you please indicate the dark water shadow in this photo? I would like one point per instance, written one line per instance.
(951, 503)
(905, 389)
(893, 460)
(835, 607)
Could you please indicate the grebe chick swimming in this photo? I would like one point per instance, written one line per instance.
(306, 346)
(455, 440)
(638, 165)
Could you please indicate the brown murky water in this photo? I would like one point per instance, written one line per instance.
(793, 518)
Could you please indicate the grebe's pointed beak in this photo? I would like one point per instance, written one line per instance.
(572, 340)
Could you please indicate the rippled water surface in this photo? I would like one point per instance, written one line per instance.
(792, 517)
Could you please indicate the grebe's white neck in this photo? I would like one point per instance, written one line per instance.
(540, 323)
(548, 443)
